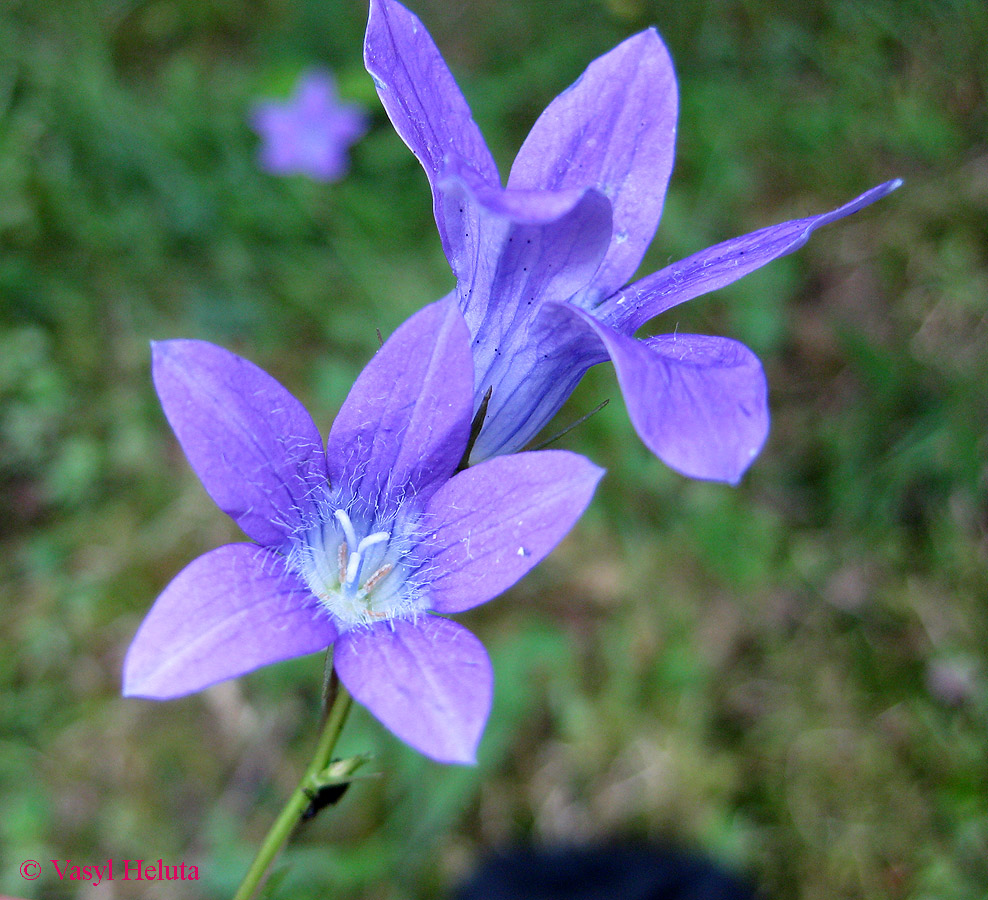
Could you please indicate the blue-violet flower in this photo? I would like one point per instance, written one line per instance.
(542, 265)
(367, 544)
(310, 132)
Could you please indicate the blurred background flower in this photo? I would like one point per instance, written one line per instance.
(754, 672)
(311, 132)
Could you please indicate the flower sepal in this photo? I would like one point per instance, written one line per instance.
(327, 787)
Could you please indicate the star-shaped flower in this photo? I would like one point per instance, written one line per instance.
(310, 132)
(367, 544)
(541, 265)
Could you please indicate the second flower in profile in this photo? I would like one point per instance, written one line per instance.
(542, 265)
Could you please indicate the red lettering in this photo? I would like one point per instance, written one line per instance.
(137, 877)
(54, 862)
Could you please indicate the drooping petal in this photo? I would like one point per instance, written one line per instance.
(720, 265)
(523, 251)
(521, 248)
(615, 130)
(423, 101)
(429, 681)
(404, 426)
(495, 521)
(253, 445)
(699, 403)
(228, 612)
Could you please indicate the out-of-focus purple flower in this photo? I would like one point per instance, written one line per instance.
(310, 132)
(359, 543)
(541, 265)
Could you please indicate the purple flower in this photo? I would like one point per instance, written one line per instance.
(357, 544)
(310, 132)
(541, 265)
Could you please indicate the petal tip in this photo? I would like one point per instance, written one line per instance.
(142, 685)
(160, 349)
(464, 760)
(135, 687)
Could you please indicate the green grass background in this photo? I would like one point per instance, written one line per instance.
(789, 676)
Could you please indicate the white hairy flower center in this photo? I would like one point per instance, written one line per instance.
(360, 579)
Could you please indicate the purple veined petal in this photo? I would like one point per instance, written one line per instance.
(429, 681)
(720, 265)
(615, 130)
(699, 403)
(253, 445)
(521, 248)
(404, 426)
(496, 521)
(524, 250)
(531, 378)
(227, 613)
(422, 100)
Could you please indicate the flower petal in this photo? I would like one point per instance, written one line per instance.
(699, 403)
(523, 250)
(253, 445)
(228, 612)
(404, 426)
(720, 265)
(423, 101)
(531, 376)
(429, 681)
(496, 521)
(615, 130)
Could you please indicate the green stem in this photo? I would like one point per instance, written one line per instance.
(289, 816)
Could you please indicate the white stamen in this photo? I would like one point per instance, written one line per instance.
(351, 535)
(353, 569)
(373, 539)
(356, 559)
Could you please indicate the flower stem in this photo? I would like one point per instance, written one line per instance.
(289, 816)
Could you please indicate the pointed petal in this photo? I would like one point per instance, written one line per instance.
(615, 130)
(699, 403)
(228, 612)
(496, 521)
(253, 445)
(429, 681)
(720, 265)
(404, 426)
(422, 99)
